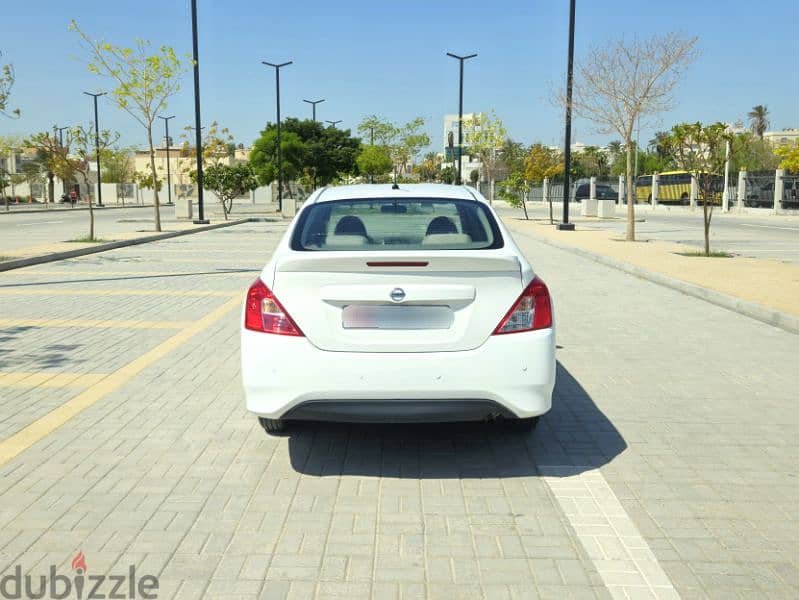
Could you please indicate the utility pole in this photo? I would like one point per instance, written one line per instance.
(333, 123)
(97, 146)
(313, 104)
(460, 112)
(279, 149)
(168, 171)
(201, 220)
(565, 225)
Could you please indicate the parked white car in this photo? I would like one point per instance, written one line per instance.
(406, 303)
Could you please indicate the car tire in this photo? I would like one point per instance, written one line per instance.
(649, 199)
(521, 425)
(272, 426)
(685, 200)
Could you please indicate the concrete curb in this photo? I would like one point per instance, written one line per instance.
(753, 310)
(56, 256)
(58, 209)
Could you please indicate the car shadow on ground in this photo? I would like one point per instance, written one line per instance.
(574, 434)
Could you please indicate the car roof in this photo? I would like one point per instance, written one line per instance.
(404, 190)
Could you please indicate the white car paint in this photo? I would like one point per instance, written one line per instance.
(464, 361)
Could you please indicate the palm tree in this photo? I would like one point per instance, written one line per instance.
(758, 120)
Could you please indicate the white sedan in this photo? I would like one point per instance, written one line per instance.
(400, 304)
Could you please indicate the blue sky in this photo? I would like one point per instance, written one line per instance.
(389, 58)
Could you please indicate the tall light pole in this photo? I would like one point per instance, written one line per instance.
(460, 112)
(201, 220)
(279, 150)
(97, 146)
(61, 146)
(168, 172)
(565, 225)
(333, 123)
(313, 104)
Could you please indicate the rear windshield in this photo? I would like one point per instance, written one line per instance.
(393, 224)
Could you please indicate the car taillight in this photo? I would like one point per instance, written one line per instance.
(531, 311)
(264, 313)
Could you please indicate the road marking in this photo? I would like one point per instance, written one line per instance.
(50, 380)
(624, 561)
(116, 292)
(769, 226)
(94, 323)
(40, 223)
(41, 428)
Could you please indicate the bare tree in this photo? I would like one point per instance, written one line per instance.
(619, 83)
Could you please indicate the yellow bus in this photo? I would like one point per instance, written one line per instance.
(675, 188)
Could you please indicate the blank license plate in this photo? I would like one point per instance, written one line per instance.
(396, 317)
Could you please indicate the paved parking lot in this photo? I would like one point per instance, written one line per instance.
(666, 468)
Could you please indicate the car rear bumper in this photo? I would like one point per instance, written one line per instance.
(288, 377)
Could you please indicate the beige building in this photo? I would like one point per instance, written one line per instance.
(182, 161)
(786, 137)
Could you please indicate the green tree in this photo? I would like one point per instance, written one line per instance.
(758, 120)
(84, 146)
(542, 162)
(144, 81)
(701, 150)
(54, 159)
(617, 85)
(228, 182)
(448, 175)
(403, 144)
(7, 78)
(311, 152)
(430, 168)
(374, 162)
(8, 145)
(751, 153)
(485, 134)
(514, 190)
(118, 167)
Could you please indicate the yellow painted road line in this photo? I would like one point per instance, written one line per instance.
(50, 380)
(41, 428)
(94, 323)
(116, 292)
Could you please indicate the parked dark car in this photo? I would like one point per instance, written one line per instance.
(603, 192)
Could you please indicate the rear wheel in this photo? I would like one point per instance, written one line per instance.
(272, 426)
(649, 199)
(521, 425)
(684, 199)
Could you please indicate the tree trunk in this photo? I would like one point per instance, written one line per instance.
(91, 211)
(707, 214)
(524, 206)
(156, 206)
(630, 199)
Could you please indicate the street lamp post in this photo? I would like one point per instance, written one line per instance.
(168, 172)
(97, 146)
(565, 225)
(460, 111)
(333, 123)
(313, 104)
(61, 147)
(279, 150)
(201, 220)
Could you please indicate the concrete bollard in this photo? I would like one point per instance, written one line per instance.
(694, 190)
(779, 189)
(184, 208)
(545, 190)
(741, 190)
(655, 189)
(592, 188)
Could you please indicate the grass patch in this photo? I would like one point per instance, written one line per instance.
(87, 240)
(699, 253)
